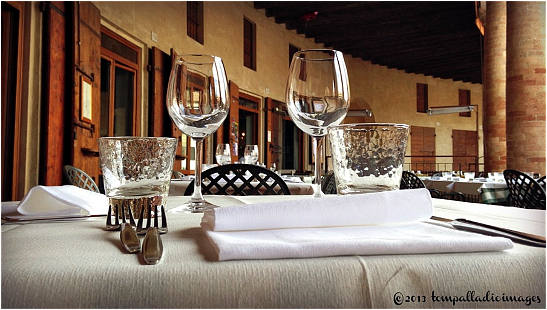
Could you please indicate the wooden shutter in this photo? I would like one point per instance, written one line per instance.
(464, 97)
(273, 142)
(85, 48)
(159, 122)
(422, 144)
(54, 93)
(421, 98)
(234, 120)
(12, 60)
(464, 143)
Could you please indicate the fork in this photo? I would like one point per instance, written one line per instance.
(162, 230)
(109, 225)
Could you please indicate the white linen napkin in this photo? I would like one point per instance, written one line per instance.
(66, 200)
(360, 209)
(366, 224)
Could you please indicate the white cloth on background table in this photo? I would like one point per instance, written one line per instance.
(66, 200)
(366, 224)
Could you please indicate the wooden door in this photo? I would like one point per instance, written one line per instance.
(465, 150)
(233, 133)
(86, 74)
(422, 144)
(12, 52)
(274, 119)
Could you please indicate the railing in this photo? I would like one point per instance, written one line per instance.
(433, 165)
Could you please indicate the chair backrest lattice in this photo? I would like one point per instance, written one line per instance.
(525, 192)
(328, 185)
(79, 178)
(541, 182)
(240, 180)
(410, 181)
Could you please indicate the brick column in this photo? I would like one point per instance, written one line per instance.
(495, 150)
(526, 86)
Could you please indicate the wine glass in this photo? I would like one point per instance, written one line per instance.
(251, 154)
(198, 102)
(223, 154)
(317, 97)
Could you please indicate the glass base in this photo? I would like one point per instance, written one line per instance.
(193, 207)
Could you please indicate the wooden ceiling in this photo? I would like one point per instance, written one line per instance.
(438, 39)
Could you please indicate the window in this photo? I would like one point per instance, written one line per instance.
(421, 98)
(249, 44)
(119, 85)
(465, 100)
(194, 20)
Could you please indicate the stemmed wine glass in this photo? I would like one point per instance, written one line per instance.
(223, 154)
(251, 154)
(317, 97)
(198, 101)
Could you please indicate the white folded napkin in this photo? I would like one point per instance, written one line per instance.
(415, 238)
(66, 200)
(361, 209)
(365, 224)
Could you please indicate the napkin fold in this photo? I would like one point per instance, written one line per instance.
(365, 224)
(350, 210)
(66, 200)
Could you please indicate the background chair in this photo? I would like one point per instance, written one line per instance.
(524, 191)
(240, 180)
(541, 182)
(79, 178)
(328, 185)
(410, 181)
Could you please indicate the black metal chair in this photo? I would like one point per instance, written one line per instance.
(240, 180)
(541, 182)
(79, 178)
(410, 181)
(328, 185)
(524, 191)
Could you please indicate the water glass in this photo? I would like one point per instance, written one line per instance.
(137, 170)
(251, 154)
(223, 154)
(368, 157)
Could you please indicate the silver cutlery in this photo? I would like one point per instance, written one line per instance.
(152, 247)
(485, 229)
(128, 236)
(161, 229)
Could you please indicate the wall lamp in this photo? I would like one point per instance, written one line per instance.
(449, 110)
(365, 112)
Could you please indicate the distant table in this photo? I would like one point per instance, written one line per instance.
(178, 187)
(486, 192)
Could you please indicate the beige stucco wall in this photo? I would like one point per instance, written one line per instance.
(390, 93)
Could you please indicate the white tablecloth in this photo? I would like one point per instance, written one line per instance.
(79, 265)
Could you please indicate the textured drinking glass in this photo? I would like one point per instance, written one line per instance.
(251, 154)
(223, 154)
(137, 170)
(368, 157)
(198, 102)
(317, 97)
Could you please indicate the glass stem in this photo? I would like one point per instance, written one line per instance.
(318, 154)
(197, 197)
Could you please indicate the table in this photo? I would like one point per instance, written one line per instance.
(79, 265)
(178, 187)
(486, 192)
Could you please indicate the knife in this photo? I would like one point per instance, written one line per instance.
(476, 227)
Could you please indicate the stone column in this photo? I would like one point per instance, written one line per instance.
(495, 150)
(526, 86)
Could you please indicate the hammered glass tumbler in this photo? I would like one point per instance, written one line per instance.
(368, 157)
